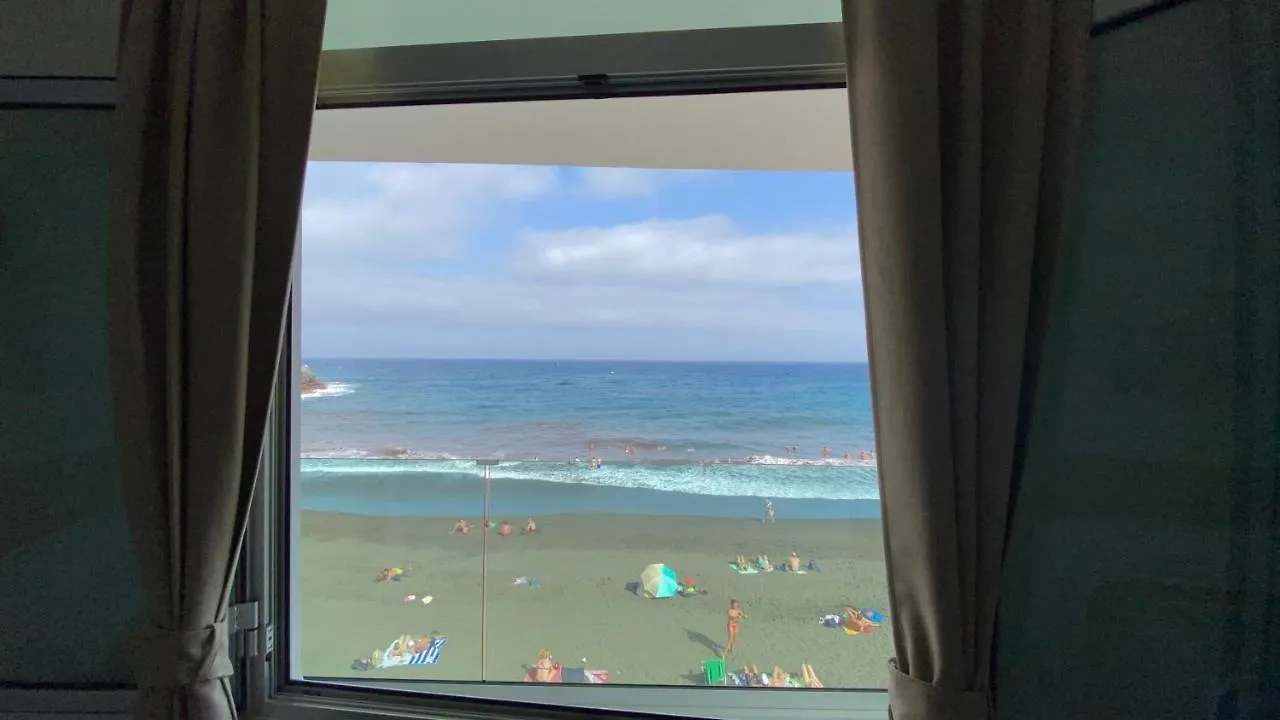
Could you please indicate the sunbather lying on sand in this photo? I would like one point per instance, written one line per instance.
(462, 526)
(529, 527)
(755, 678)
(810, 677)
(407, 646)
(856, 621)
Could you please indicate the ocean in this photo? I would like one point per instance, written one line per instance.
(400, 437)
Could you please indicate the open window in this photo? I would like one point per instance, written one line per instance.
(581, 324)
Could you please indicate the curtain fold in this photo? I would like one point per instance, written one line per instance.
(214, 104)
(964, 117)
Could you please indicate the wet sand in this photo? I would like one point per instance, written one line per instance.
(582, 611)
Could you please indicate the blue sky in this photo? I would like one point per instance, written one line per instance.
(500, 261)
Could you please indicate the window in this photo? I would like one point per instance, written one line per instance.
(634, 321)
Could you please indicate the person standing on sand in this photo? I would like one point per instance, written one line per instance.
(768, 512)
(735, 616)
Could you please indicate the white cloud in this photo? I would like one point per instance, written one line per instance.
(413, 211)
(706, 249)
(614, 183)
(700, 287)
(370, 294)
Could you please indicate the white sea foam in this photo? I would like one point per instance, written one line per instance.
(808, 462)
(819, 480)
(388, 461)
(333, 389)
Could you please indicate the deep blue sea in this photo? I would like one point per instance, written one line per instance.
(399, 437)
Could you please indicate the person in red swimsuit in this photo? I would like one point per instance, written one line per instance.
(735, 616)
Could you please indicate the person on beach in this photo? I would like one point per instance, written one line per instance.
(543, 670)
(768, 512)
(810, 677)
(826, 452)
(735, 616)
(529, 527)
(856, 621)
(763, 563)
(504, 529)
(462, 526)
(390, 574)
(793, 562)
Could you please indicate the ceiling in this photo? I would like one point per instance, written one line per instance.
(788, 130)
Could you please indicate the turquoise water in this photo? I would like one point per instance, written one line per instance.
(395, 436)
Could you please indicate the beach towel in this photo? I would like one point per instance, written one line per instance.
(850, 631)
(872, 616)
(430, 656)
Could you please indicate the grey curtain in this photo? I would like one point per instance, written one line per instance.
(214, 104)
(964, 116)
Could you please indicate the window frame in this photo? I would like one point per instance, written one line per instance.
(268, 689)
(751, 59)
(676, 62)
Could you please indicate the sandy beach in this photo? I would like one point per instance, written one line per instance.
(581, 610)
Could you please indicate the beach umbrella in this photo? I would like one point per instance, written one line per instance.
(659, 581)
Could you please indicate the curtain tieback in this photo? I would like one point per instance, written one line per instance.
(173, 658)
(912, 699)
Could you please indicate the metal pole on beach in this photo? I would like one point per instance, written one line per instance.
(484, 571)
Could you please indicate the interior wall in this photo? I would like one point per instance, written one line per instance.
(69, 593)
(1142, 570)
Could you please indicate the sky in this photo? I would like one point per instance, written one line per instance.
(409, 260)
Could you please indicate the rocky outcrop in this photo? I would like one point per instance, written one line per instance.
(310, 383)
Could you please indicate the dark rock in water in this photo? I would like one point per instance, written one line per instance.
(310, 383)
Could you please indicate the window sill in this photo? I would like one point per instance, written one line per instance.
(348, 701)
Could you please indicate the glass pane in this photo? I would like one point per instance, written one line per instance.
(388, 591)
(666, 369)
(351, 24)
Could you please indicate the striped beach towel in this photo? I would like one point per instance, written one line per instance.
(430, 656)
